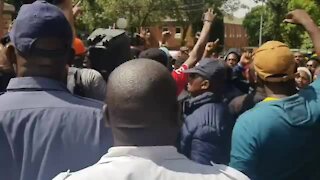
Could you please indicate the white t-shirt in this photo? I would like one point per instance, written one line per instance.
(151, 163)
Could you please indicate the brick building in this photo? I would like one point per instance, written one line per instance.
(177, 34)
(235, 35)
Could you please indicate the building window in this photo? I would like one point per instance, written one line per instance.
(178, 30)
(178, 34)
(165, 29)
(232, 33)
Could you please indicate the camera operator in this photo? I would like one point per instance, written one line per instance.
(83, 81)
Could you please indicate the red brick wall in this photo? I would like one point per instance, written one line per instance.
(175, 41)
(235, 36)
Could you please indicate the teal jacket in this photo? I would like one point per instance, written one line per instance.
(280, 139)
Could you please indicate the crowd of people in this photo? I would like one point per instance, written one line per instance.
(194, 114)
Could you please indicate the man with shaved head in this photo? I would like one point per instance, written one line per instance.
(137, 112)
(145, 127)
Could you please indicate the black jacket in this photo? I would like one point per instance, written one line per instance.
(206, 133)
(245, 102)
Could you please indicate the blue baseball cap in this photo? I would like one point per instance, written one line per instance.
(210, 69)
(40, 20)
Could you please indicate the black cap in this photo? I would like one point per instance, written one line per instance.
(211, 69)
(155, 54)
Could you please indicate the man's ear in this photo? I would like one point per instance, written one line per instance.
(10, 53)
(205, 85)
(106, 115)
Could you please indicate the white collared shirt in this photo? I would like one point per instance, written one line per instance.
(150, 163)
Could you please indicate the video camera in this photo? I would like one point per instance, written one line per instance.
(108, 48)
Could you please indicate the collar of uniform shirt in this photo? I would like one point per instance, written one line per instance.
(35, 84)
(154, 153)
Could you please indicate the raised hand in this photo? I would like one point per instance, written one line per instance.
(166, 35)
(77, 9)
(246, 59)
(209, 16)
(143, 33)
(303, 18)
(298, 17)
(210, 47)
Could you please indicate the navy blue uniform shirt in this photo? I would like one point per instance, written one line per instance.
(44, 130)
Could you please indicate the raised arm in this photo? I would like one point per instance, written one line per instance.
(303, 18)
(66, 7)
(166, 35)
(197, 51)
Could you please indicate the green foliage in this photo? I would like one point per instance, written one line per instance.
(103, 13)
(294, 35)
(277, 10)
(274, 29)
(273, 13)
(94, 16)
(252, 24)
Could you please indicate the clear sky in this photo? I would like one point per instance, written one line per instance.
(242, 12)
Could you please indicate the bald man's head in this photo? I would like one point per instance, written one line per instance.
(141, 98)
